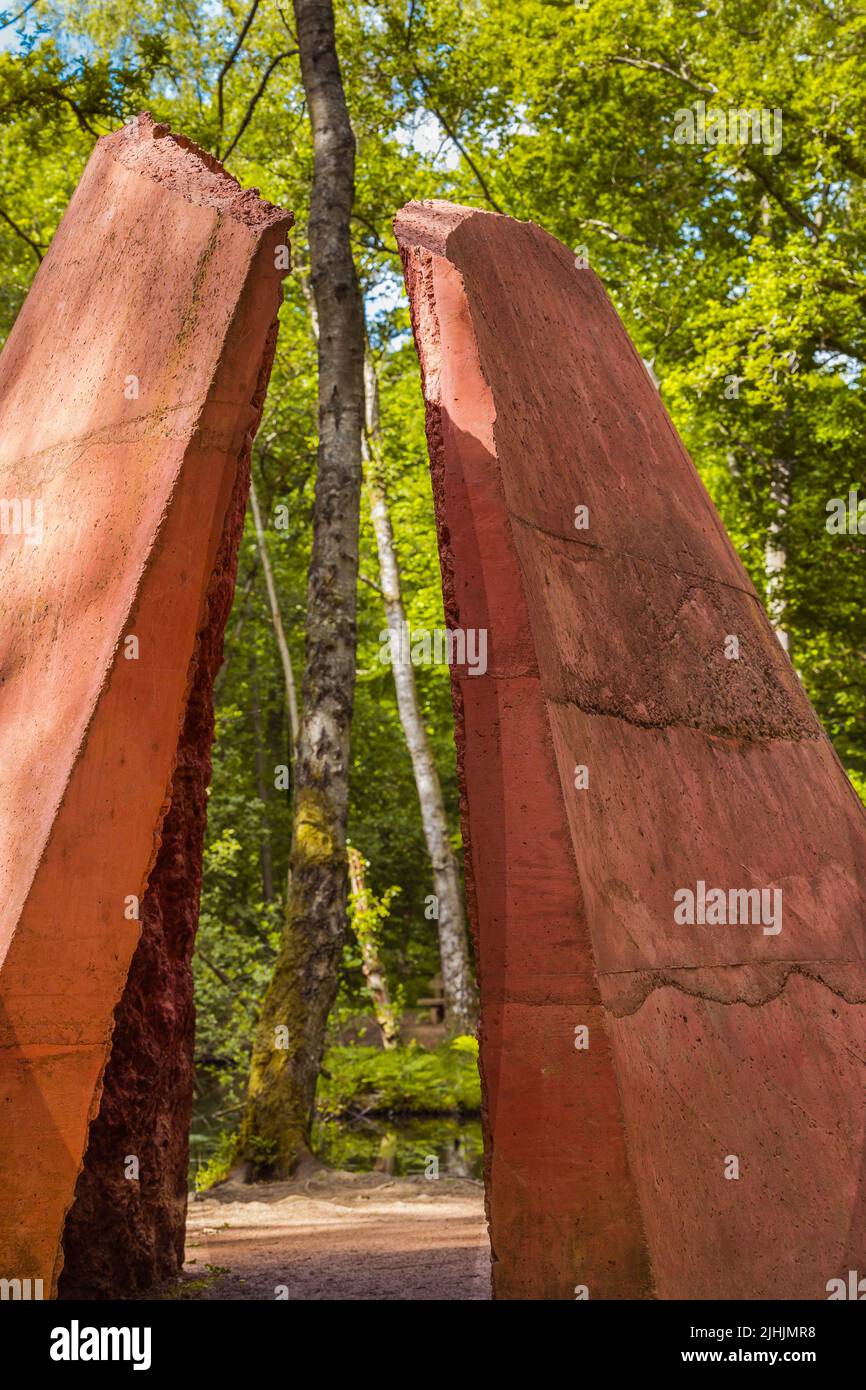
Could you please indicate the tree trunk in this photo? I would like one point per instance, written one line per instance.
(265, 855)
(276, 618)
(775, 553)
(461, 1001)
(364, 924)
(287, 1051)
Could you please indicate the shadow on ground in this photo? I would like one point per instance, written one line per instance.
(339, 1236)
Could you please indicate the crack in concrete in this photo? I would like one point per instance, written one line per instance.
(698, 575)
(664, 980)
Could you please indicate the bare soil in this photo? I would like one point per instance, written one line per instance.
(339, 1236)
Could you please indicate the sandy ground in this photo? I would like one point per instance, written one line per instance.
(339, 1236)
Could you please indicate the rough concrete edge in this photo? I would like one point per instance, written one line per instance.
(629, 990)
(143, 144)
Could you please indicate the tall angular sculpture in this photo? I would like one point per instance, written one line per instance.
(130, 389)
(666, 863)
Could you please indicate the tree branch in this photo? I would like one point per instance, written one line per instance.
(607, 230)
(653, 65)
(790, 208)
(254, 100)
(231, 58)
(454, 138)
(20, 15)
(379, 243)
(221, 976)
(35, 247)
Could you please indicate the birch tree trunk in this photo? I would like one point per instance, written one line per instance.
(775, 554)
(461, 1002)
(276, 617)
(287, 1051)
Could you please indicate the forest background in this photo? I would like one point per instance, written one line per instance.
(740, 273)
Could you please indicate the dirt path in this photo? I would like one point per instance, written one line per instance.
(340, 1236)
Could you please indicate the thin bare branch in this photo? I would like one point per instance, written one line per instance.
(451, 132)
(20, 15)
(231, 58)
(35, 247)
(254, 100)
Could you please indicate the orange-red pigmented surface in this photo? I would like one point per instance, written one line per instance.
(609, 1168)
(129, 390)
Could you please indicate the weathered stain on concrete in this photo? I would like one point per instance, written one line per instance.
(606, 1167)
(130, 386)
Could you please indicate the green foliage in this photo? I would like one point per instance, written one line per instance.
(409, 1080)
(361, 1081)
(404, 1146)
(217, 1167)
(368, 912)
(186, 1290)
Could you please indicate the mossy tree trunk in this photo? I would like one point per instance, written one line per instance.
(287, 1051)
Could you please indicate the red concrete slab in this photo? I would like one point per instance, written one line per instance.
(707, 1141)
(524, 896)
(128, 393)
